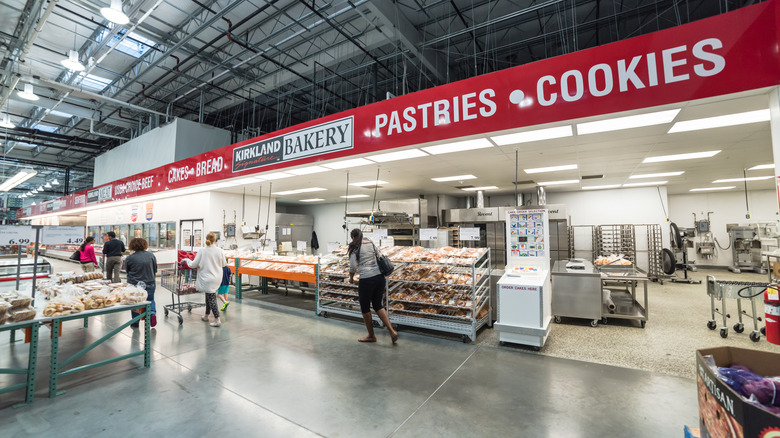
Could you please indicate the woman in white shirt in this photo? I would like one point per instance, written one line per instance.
(209, 262)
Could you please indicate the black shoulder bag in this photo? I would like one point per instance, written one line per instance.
(385, 265)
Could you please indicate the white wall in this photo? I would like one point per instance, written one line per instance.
(727, 208)
(193, 206)
(175, 141)
(328, 221)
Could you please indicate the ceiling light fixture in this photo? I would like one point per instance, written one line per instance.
(34, 192)
(558, 183)
(609, 186)
(705, 189)
(478, 143)
(276, 175)
(22, 176)
(55, 182)
(454, 178)
(762, 167)
(721, 121)
(312, 200)
(48, 186)
(691, 156)
(656, 175)
(72, 61)
(115, 14)
(6, 122)
(537, 135)
(750, 178)
(353, 196)
(628, 122)
(308, 170)
(400, 155)
(376, 182)
(653, 183)
(294, 192)
(40, 189)
(475, 189)
(348, 163)
(551, 169)
(28, 93)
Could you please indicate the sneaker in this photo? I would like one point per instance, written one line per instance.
(216, 324)
(154, 320)
(134, 325)
(225, 306)
(204, 318)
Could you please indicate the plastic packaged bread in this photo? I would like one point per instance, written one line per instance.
(16, 299)
(98, 299)
(4, 308)
(61, 306)
(21, 314)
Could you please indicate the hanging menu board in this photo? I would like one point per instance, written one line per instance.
(527, 235)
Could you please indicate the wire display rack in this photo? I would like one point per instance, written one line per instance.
(616, 239)
(180, 282)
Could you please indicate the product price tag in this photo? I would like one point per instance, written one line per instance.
(469, 233)
(333, 246)
(429, 234)
(14, 235)
(62, 235)
(380, 234)
(301, 245)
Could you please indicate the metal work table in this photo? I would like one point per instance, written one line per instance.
(626, 304)
(576, 293)
(57, 364)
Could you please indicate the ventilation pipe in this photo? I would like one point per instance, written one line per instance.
(480, 199)
(92, 131)
(541, 195)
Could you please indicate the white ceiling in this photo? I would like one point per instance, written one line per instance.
(617, 155)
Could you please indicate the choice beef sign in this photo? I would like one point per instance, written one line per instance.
(725, 54)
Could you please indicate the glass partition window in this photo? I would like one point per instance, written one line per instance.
(122, 231)
(160, 235)
(136, 230)
(150, 234)
(167, 231)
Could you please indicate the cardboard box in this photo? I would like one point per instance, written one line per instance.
(722, 411)
(776, 269)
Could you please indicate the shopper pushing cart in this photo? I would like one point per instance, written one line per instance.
(209, 261)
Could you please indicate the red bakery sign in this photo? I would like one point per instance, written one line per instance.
(729, 53)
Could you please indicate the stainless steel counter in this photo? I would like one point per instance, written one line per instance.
(576, 293)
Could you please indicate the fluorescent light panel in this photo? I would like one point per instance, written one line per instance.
(620, 123)
(551, 169)
(474, 189)
(537, 135)
(609, 186)
(478, 143)
(558, 183)
(721, 121)
(369, 183)
(706, 189)
(20, 177)
(276, 175)
(348, 163)
(312, 200)
(652, 183)
(677, 157)
(656, 175)
(750, 178)
(293, 192)
(308, 170)
(762, 167)
(400, 155)
(454, 178)
(354, 196)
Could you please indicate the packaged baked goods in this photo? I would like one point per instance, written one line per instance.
(129, 295)
(98, 299)
(21, 314)
(4, 308)
(16, 299)
(63, 305)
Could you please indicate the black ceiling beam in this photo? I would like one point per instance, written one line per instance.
(14, 160)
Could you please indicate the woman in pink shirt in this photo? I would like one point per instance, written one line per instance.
(88, 259)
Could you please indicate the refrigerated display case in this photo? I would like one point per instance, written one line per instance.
(8, 268)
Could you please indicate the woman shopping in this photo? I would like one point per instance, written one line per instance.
(141, 267)
(209, 262)
(371, 285)
(87, 257)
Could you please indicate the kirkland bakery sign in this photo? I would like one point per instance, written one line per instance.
(316, 140)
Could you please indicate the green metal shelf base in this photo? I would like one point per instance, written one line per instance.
(32, 362)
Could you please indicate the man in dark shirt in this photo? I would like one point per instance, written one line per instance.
(112, 251)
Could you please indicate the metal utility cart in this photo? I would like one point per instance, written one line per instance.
(179, 282)
(622, 282)
(576, 291)
(736, 290)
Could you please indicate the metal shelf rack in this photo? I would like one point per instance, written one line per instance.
(616, 239)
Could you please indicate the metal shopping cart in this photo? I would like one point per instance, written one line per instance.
(735, 290)
(180, 282)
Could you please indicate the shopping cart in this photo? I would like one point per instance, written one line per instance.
(735, 290)
(180, 282)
